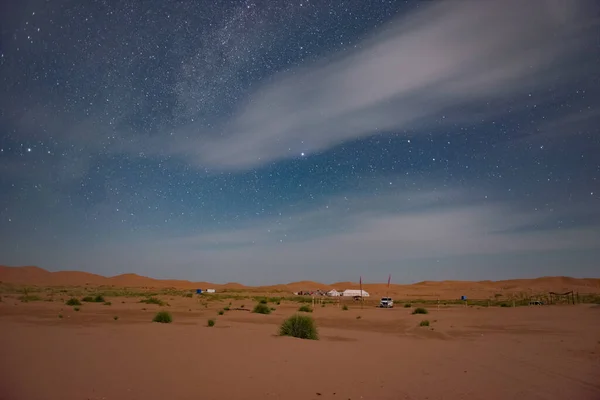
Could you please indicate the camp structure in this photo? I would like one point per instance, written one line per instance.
(355, 293)
(333, 293)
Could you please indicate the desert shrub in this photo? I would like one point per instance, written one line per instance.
(73, 302)
(60, 315)
(407, 305)
(76, 308)
(299, 326)
(163, 317)
(29, 297)
(189, 295)
(107, 303)
(261, 308)
(88, 299)
(424, 323)
(420, 310)
(116, 317)
(344, 308)
(226, 308)
(221, 312)
(504, 305)
(211, 322)
(305, 308)
(242, 306)
(279, 303)
(262, 301)
(358, 317)
(153, 300)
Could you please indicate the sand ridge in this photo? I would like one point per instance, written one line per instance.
(35, 276)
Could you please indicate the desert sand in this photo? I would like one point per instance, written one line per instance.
(51, 351)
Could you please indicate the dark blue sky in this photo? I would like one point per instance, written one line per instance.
(265, 142)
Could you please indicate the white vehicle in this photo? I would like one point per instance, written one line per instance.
(386, 302)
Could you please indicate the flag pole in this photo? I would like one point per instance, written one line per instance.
(387, 294)
(362, 298)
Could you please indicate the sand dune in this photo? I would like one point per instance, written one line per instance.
(36, 276)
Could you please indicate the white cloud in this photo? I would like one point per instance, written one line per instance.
(446, 56)
(373, 236)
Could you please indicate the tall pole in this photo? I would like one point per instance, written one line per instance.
(362, 298)
(387, 294)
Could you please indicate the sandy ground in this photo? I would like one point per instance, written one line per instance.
(548, 352)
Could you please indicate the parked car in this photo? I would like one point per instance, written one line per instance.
(386, 302)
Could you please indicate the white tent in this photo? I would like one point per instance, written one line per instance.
(333, 293)
(354, 292)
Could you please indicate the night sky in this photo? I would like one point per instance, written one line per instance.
(266, 142)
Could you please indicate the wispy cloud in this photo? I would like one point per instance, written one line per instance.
(446, 56)
(403, 231)
(441, 226)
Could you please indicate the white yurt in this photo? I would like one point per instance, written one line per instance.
(354, 293)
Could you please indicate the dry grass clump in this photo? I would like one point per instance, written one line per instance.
(299, 326)
(163, 317)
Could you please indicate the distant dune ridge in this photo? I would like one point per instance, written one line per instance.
(36, 276)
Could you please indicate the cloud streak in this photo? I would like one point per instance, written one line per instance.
(442, 225)
(444, 57)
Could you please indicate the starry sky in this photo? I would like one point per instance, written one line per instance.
(273, 141)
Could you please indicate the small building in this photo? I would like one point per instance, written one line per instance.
(355, 293)
(333, 293)
(210, 290)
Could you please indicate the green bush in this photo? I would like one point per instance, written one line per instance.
(262, 308)
(60, 316)
(221, 312)
(153, 300)
(407, 305)
(263, 301)
(420, 310)
(73, 302)
(299, 326)
(88, 299)
(305, 308)
(99, 299)
(344, 308)
(211, 322)
(226, 308)
(163, 317)
(76, 308)
(424, 323)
